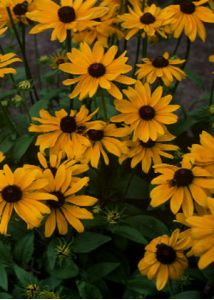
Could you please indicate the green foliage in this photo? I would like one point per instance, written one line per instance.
(89, 241)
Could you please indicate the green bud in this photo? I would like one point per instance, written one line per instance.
(24, 85)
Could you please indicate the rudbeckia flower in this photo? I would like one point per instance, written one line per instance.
(203, 154)
(149, 153)
(96, 69)
(68, 207)
(161, 67)
(56, 59)
(21, 192)
(147, 113)
(5, 61)
(164, 259)
(188, 16)
(181, 186)
(2, 156)
(149, 21)
(74, 15)
(105, 137)
(63, 132)
(202, 235)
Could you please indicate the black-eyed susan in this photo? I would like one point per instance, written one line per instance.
(182, 186)
(188, 16)
(68, 207)
(5, 61)
(149, 21)
(2, 156)
(105, 137)
(104, 29)
(18, 9)
(58, 58)
(21, 191)
(164, 259)
(96, 69)
(202, 235)
(74, 15)
(203, 154)
(149, 153)
(147, 113)
(64, 131)
(162, 67)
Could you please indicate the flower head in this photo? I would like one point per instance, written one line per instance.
(147, 113)
(96, 69)
(5, 61)
(161, 67)
(164, 259)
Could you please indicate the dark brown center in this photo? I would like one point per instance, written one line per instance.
(68, 124)
(147, 18)
(60, 61)
(96, 70)
(20, 8)
(187, 7)
(183, 177)
(66, 14)
(160, 62)
(165, 254)
(59, 203)
(11, 193)
(95, 135)
(148, 144)
(147, 112)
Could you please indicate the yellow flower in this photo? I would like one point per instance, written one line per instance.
(58, 58)
(96, 69)
(147, 113)
(66, 209)
(164, 259)
(182, 186)
(149, 153)
(202, 234)
(203, 154)
(188, 17)
(22, 191)
(5, 60)
(2, 156)
(63, 132)
(102, 31)
(104, 137)
(149, 21)
(18, 8)
(161, 67)
(74, 15)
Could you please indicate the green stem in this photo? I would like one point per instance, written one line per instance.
(128, 185)
(68, 40)
(37, 60)
(137, 53)
(145, 44)
(211, 93)
(27, 69)
(8, 120)
(124, 45)
(105, 114)
(177, 45)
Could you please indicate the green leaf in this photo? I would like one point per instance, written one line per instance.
(198, 80)
(41, 104)
(187, 295)
(141, 285)
(89, 241)
(24, 249)
(148, 226)
(88, 291)
(67, 270)
(5, 254)
(21, 146)
(52, 254)
(5, 296)
(138, 189)
(100, 270)
(3, 278)
(23, 276)
(128, 233)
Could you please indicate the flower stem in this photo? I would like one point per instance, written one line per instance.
(68, 40)
(37, 60)
(22, 48)
(145, 44)
(211, 93)
(8, 120)
(105, 114)
(137, 53)
(177, 45)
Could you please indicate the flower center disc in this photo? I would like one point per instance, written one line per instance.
(148, 144)
(187, 7)
(21, 8)
(95, 135)
(68, 124)
(147, 112)
(11, 193)
(147, 18)
(66, 14)
(96, 70)
(160, 62)
(59, 203)
(165, 254)
(183, 177)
